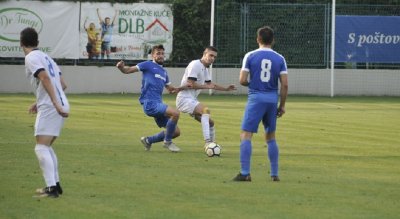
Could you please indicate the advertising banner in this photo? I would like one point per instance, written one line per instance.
(56, 23)
(373, 39)
(124, 31)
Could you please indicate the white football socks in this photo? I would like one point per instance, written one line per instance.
(46, 164)
(212, 134)
(55, 162)
(205, 125)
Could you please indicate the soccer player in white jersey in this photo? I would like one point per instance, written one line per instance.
(261, 70)
(155, 79)
(196, 78)
(51, 107)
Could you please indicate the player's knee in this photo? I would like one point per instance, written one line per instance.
(175, 114)
(270, 136)
(177, 133)
(206, 110)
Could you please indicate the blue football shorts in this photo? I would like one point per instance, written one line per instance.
(256, 112)
(157, 110)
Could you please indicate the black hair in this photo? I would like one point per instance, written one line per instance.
(265, 35)
(211, 48)
(157, 47)
(29, 37)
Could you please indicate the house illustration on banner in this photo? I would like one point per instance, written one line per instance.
(156, 33)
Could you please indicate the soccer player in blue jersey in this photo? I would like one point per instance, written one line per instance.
(155, 78)
(261, 70)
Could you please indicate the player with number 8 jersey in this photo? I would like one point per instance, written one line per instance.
(261, 71)
(51, 106)
(36, 61)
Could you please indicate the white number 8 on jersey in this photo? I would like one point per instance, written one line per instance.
(265, 74)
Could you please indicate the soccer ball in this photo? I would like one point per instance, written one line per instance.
(213, 149)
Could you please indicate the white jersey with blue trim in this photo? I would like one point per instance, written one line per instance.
(37, 61)
(265, 67)
(197, 71)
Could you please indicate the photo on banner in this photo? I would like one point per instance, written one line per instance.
(124, 31)
(56, 23)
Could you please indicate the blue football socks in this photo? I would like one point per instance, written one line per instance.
(273, 155)
(156, 138)
(245, 156)
(170, 129)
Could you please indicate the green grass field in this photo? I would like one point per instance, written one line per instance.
(339, 158)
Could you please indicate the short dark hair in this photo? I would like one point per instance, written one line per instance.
(211, 48)
(265, 35)
(157, 47)
(29, 37)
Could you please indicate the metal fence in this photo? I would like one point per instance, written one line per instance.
(302, 31)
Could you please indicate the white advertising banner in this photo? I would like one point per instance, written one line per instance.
(56, 23)
(124, 31)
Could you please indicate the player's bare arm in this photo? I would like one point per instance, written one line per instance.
(283, 94)
(191, 84)
(222, 88)
(243, 78)
(33, 108)
(63, 84)
(126, 69)
(172, 90)
(46, 82)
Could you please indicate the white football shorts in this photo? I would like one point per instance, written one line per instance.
(48, 122)
(186, 104)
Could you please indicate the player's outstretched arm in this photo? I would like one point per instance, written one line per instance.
(221, 88)
(172, 90)
(126, 69)
(191, 84)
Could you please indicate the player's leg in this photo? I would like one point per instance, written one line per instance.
(164, 116)
(269, 122)
(46, 163)
(245, 157)
(160, 136)
(55, 161)
(273, 155)
(202, 114)
(147, 141)
(47, 127)
(172, 130)
(245, 152)
(251, 118)
(212, 131)
(171, 125)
